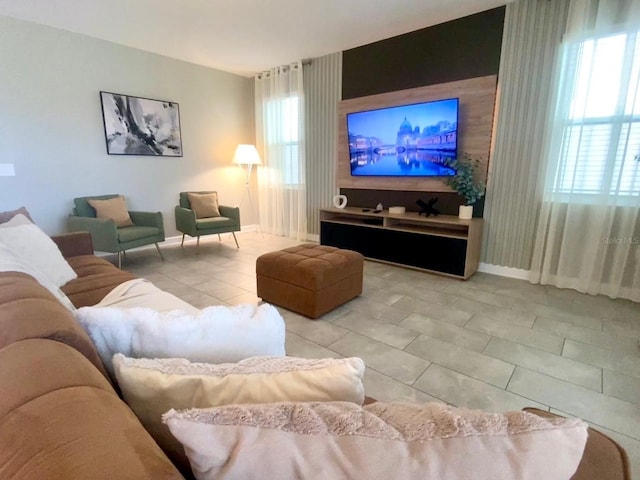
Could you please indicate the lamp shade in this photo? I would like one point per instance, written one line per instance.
(246, 155)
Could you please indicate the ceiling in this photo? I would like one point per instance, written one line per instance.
(242, 36)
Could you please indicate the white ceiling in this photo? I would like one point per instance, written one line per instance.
(242, 36)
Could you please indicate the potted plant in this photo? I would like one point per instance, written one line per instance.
(465, 183)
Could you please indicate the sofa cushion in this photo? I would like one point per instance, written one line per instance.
(113, 209)
(9, 214)
(12, 263)
(216, 334)
(79, 432)
(331, 440)
(28, 241)
(204, 205)
(28, 310)
(152, 387)
(18, 219)
(603, 457)
(42, 366)
(96, 278)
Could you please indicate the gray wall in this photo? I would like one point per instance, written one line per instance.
(51, 125)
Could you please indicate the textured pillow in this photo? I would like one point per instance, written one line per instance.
(204, 205)
(114, 209)
(30, 243)
(380, 441)
(8, 215)
(16, 221)
(215, 335)
(151, 387)
(11, 263)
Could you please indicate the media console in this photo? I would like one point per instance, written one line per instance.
(443, 244)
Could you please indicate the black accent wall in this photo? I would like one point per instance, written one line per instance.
(464, 48)
(468, 47)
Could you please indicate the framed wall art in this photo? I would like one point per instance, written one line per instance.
(140, 126)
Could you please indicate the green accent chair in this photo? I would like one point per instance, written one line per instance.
(148, 228)
(188, 224)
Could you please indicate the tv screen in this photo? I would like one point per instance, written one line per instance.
(408, 140)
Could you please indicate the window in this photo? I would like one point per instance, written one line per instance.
(283, 133)
(600, 125)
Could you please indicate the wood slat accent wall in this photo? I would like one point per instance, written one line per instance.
(475, 122)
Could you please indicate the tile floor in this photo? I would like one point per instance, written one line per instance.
(491, 342)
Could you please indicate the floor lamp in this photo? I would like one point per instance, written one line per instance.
(247, 155)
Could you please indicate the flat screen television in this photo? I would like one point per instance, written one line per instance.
(404, 141)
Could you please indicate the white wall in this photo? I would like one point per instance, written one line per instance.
(51, 125)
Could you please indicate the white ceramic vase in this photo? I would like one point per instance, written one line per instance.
(465, 212)
(339, 201)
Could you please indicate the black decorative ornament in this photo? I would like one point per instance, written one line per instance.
(428, 208)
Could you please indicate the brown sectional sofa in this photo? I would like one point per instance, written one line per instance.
(60, 416)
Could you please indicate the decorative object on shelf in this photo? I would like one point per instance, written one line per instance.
(379, 207)
(339, 201)
(428, 208)
(397, 210)
(465, 183)
(248, 156)
(140, 126)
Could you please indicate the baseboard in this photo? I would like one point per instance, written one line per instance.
(510, 272)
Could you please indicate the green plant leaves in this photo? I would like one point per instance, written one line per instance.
(464, 181)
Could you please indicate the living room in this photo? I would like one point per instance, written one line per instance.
(50, 89)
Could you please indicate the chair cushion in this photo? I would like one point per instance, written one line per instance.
(204, 205)
(114, 209)
(214, 222)
(82, 207)
(130, 234)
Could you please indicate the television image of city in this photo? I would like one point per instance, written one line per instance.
(409, 140)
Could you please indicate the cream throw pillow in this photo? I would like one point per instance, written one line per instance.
(29, 243)
(204, 205)
(152, 387)
(337, 440)
(11, 263)
(16, 221)
(8, 215)
(114, 209)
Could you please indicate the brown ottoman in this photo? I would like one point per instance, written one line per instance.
(309, 279)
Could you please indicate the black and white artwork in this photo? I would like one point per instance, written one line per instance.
(140, 126)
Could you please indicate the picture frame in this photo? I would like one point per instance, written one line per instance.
(140, 126)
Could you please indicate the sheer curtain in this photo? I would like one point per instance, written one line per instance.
(588, 233)
(282, 194)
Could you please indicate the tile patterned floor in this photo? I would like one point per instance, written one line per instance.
(491, 342)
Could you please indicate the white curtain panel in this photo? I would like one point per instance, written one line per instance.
(588, 234)
(279, 98)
